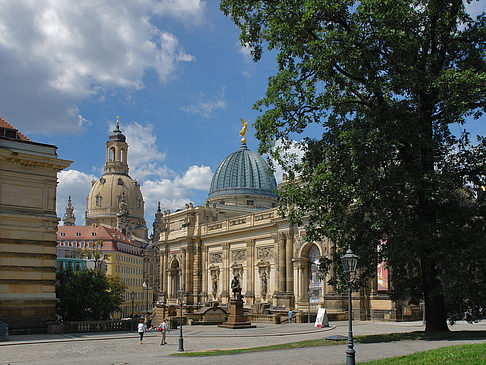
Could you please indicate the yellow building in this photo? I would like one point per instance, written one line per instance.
(28, 223)
(120, 257)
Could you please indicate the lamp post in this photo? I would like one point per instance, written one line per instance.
(350, 261)
(180, 294)
(145, 286)
(132, 296)
(308, 308)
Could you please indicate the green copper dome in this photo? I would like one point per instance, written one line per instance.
(243, 173)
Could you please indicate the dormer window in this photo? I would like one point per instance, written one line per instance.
(78, 234)
(63, 234)
(93, 234)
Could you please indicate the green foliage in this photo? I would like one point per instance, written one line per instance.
(383, 81)
(88, 295)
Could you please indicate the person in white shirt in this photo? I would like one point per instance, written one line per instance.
(163, 330)
(141, 329)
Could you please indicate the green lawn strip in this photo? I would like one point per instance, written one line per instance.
(389, 337)
(457, 355)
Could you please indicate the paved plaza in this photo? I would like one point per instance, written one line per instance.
(124, 347)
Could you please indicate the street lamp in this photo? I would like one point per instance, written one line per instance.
(145, 286)
(132, 296)
(180, 294)
(350, 261)
(309, 308)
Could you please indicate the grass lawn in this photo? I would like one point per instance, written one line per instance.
(419, 335)
(457, 355)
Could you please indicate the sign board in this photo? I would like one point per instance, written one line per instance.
(321, 319)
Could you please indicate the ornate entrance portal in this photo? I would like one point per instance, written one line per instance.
(314, 289)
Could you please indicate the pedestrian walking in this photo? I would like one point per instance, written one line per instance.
(163, 328)
(290, 316)
(141, 330)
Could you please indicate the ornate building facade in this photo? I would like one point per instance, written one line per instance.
(239, 233)
(28, 223)
(115, 199)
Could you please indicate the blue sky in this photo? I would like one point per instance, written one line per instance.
(173, 70)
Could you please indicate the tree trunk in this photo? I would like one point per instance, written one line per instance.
(435, 314)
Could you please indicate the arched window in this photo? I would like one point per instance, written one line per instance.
(112, 154)
(315, 283)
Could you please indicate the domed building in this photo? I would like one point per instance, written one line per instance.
(243, 178)
(115, 199)
(239, 232)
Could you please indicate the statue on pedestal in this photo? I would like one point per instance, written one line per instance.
(235, 287)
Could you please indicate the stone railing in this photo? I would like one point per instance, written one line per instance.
(3, 331)
(250, 220)
(91, 326)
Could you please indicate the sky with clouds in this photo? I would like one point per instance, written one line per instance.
(173, 70)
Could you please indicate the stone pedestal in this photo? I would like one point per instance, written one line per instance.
(236, 318)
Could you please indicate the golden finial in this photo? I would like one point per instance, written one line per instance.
(243, 130)
(118, 121)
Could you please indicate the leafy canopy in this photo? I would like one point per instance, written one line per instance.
(88, 295)
(384, 80)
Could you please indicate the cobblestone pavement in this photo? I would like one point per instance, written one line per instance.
(124, 348)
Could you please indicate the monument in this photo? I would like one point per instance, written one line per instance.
(237, 318)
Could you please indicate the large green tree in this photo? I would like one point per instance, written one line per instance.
(88, 295)
(384, 80)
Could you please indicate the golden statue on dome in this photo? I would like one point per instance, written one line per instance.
(243, 130)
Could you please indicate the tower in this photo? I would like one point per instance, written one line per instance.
(115, 199)
(69, 219)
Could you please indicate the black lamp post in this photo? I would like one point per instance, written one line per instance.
(180, 294)
(132, 296)
(145, 286)
(309, 308)
(350, 261)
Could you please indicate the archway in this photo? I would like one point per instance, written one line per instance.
(314, 284)
(175, 278)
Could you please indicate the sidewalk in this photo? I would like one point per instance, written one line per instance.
(123, 347)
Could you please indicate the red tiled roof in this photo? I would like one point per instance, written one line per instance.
(5, 124)
(86, 234)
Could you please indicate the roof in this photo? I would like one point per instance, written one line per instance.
(8, 131)
(243, 173)
(85, 233)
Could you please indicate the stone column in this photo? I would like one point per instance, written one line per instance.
(161, 272)
(226, 271)
(204, 268)
(184, 269)
(197, 271)
(188, 272)
(289, 266)
(276, 264)
(250, 271)
(281, 262)
(165, 274)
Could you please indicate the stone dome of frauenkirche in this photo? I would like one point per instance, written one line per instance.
(243, 174)
(115, 199)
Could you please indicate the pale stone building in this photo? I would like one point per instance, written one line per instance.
(239, 233)
(115, 199)
(28, 224)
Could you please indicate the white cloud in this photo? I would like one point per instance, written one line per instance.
(144, 158)
(197, 177)
(205, 107)
(147, 165)
(76, 184)
(174, 193)
(55, 53)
